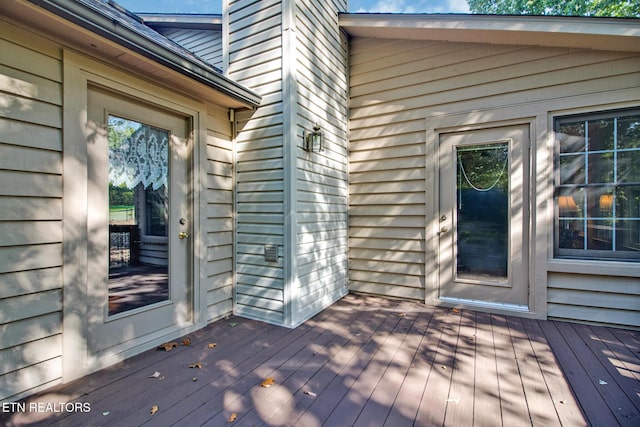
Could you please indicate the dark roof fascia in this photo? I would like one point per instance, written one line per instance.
(194, 21)
(126, 29)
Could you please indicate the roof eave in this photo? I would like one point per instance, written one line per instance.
(622, 34)
(91, 20)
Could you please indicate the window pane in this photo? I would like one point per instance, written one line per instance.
(629, 132)
(628, 202)
(629, 166)
(628, 236)
(571, 137)
(572, 169)
(601, 134)
(601, 168)
(571, 234)
(570, 203)
(599, 203)
(600, 235)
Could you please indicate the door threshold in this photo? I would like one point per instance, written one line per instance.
(484, 305)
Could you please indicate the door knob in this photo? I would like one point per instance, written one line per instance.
(183, 235)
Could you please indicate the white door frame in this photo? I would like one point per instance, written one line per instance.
(77, 360)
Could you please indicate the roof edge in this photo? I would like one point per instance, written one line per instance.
(584, 32)
(91, 19)
(198, 21)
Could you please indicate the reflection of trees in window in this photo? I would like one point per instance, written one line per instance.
(598, 185)
(482, 223)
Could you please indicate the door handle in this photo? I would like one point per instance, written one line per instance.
(182, 235)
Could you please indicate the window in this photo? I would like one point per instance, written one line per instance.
(597, 186)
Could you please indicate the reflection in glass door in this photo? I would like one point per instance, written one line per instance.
(138, 215)
(482, 212)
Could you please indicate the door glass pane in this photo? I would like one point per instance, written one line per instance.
(482, 227)
(138, 215)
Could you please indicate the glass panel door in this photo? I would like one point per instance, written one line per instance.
(139, 202)
(483, 221)
(138, 214)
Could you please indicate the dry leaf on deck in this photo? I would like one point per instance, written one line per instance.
(154, 409)
(212, 345)
(456, 310)
(186, 341)
(233, 417)
(310, 393)
(156, 374)
(196, 365)
(267, 382)
(168, 346)
(402, 315)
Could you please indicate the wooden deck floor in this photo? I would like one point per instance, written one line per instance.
(370, 361)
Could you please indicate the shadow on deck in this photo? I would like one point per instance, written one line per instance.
(366, 361)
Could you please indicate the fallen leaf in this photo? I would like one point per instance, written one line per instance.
(194, 379)
(267, 382)
(563, 401)
(105, 413)
(602, 382)
(156, 374)
(212, 345)
(402, 315)
(233, 325)
(232, 418)
(168, 346)
(186, 341)
(455, 310)
(310, 393)
(196, 365)
(154, 409)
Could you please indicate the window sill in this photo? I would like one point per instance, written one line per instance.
(601, 268)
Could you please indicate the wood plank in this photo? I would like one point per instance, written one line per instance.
(272, 404)
(512, 397)
(540, 406)
(349, 411)
(622, 409)
(433, 404)
(595, 409)
(343, 377)
(242, 343)
(566, 405)
(487, 390)
(385, 395)
(459, 411)
(405, 407)
(613, 363)
(251, 368)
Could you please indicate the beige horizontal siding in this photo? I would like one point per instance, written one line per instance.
(219, 215)
(322, 192)
(394, 86)
(607, 300)
(255, 58)
(30, 212)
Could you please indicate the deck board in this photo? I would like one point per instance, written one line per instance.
(370, 361)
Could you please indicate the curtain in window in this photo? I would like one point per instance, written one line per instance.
(142, 158)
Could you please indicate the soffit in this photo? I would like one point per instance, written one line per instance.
(619, 34)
